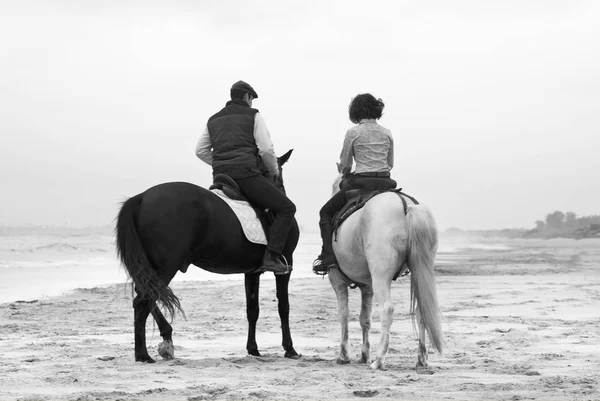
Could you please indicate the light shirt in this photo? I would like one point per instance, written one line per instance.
(266, 150)
(371, 145)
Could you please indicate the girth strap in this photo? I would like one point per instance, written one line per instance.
(353, 284)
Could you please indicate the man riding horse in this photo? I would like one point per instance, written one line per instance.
(234, 142)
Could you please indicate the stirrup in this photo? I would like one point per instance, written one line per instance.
(319, 266)
(281, 259)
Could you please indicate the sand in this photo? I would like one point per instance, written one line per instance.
(521, 323)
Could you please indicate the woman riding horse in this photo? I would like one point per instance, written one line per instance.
(372, 147)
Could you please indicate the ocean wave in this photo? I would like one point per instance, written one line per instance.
(453, 246)
(50, 245)
(63, 248)
(57, 246)
(32, 264)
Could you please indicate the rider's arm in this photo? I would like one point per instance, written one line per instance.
(204, 147)
(266, 150)
(346, 155)
(391, 153)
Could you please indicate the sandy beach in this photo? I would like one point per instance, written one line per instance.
(522, 321)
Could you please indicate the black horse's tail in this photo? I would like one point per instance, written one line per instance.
(130, 250)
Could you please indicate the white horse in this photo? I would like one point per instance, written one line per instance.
(372, 246)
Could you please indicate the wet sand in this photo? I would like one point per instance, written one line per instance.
(520, 323)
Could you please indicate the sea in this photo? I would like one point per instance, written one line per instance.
(41, 262)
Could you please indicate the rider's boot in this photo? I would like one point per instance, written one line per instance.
(271, 262)
(326, 260)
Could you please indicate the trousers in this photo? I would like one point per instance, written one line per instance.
(263, 193)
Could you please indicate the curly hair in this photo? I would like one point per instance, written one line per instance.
(363, 106)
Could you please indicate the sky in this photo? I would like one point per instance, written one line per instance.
(494, 105)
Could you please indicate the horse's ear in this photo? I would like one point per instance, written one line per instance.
(283, 159)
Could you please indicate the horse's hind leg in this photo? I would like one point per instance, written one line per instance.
(381, 288)
(252, 282)
(141, 310)
(422, 353)
(166, 348)
(365, 322)
(341, 291)
(283, 305)
(342, 296)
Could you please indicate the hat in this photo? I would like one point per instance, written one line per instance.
(244, 87)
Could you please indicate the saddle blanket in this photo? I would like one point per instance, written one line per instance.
(253, 229)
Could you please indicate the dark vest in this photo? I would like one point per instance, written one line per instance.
(231, 133)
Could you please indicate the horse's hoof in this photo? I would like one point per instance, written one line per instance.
(378, 365)
(292, 354)
(342, 361)
(254, 352)
(423, 369)
(166, 350)
(365, 360)
(144, 358)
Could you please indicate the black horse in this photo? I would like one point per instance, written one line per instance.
(172, 225)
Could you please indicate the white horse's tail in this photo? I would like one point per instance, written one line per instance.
(422, 248)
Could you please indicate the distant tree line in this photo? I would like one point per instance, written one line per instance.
(557, 224)
(566, 221)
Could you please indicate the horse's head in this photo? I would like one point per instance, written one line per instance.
(342, 174)
(280, 162)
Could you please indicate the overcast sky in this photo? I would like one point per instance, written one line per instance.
(494, 105)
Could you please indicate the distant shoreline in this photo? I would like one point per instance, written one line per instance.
(591, 231)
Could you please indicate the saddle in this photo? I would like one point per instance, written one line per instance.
(231, 189)
(357, 198)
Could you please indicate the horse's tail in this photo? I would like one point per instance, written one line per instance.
(422, 247)
(130, 250)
